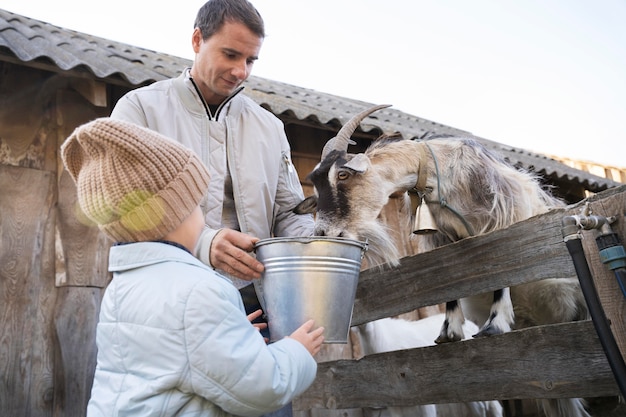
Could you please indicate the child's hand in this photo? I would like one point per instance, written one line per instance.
(311, 339)
(259, 326)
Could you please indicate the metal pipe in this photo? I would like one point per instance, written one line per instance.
(571, 226)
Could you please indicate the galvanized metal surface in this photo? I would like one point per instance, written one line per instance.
(310, 278)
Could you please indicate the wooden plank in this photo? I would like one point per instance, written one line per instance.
(611, 297)
(85, 248)
(527, 251)
(83, 274)
(93, 91)
(75, 320)
(555, 361)
(323, 412)
(22, 112)
(26, 291)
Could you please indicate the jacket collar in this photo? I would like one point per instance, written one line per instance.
(135, 255)
(191, 96)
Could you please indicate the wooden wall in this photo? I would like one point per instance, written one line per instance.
(52, 263)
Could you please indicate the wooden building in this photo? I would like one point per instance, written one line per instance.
(53, 263)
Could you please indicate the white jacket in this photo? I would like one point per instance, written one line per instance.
(249, 138)
(174, 340)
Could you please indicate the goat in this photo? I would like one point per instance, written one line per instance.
(469, 190)
(389, 334)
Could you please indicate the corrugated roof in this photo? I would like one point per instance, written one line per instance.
(32, 40)
(43, 45)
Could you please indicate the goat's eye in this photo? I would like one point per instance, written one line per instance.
(343, 175)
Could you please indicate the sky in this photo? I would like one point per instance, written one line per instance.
(544, 75)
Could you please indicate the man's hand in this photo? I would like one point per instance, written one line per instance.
(230, 252)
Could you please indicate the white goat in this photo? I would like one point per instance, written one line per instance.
(469, 190)
(391, 334)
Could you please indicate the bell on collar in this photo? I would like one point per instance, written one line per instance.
(424, 220)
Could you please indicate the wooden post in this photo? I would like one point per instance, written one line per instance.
(27, 292)
(609, 203)
(82, 273)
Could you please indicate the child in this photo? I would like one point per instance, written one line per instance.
(173, 337)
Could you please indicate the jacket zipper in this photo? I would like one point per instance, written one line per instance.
(289, 171)
(207, 109)
(243, 227)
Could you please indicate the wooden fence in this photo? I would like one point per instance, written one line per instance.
(556, 361)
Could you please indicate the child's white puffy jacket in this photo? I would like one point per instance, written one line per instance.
(174, 340)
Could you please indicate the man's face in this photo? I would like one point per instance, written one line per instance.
(224, 61)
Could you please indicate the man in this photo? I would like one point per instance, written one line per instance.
(253, 183)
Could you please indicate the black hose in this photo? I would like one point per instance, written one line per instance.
(620, 276)
(600, 322)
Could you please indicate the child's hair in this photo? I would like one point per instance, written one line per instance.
(134, 183)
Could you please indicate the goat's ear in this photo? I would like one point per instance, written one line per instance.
(306, 206)
(358, 163)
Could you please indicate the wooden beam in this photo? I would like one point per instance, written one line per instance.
(525, 252)
(555, 361)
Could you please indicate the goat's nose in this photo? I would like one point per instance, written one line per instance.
(319, 232)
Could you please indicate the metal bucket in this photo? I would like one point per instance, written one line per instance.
(310, 278)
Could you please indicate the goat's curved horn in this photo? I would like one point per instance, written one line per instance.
(342, 140)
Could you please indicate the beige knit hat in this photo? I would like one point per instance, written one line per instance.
(136, 184)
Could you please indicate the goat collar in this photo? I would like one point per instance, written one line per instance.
(420, 186)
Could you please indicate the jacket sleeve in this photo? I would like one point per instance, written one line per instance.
(203, 247)
(288, 194)
(230, 363)
(129, 110)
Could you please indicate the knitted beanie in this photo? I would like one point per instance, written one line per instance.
(134, 183)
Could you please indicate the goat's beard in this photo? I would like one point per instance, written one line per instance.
(381, 249)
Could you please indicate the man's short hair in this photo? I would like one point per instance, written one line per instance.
(214, 13)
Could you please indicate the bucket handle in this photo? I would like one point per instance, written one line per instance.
(365, 247)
